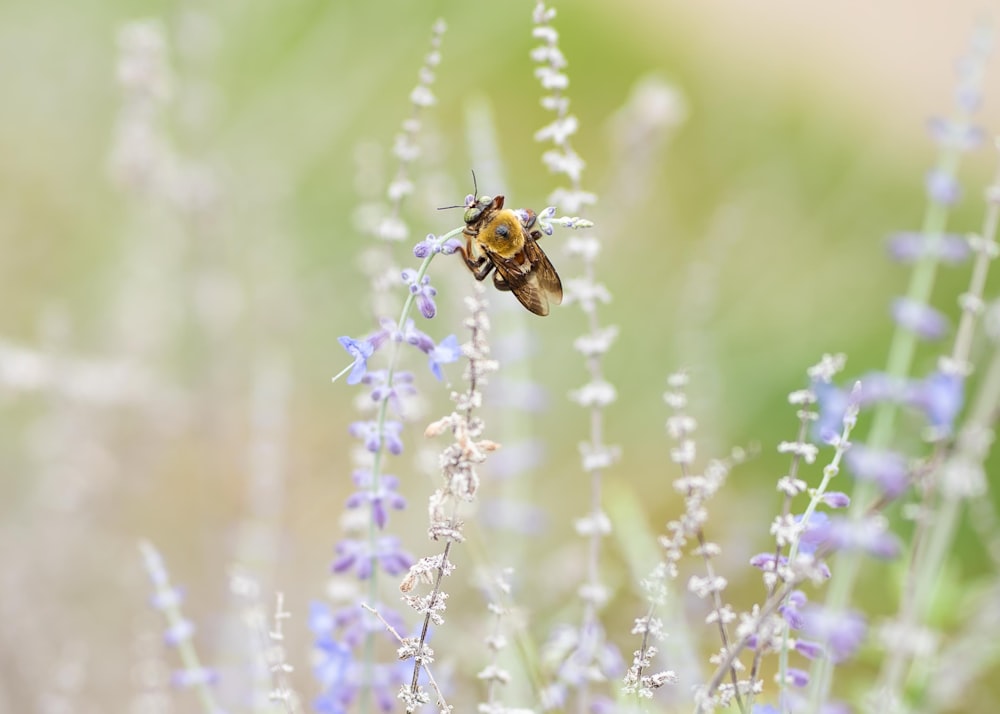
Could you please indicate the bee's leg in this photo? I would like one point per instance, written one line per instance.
(480, 268)
(499, 282)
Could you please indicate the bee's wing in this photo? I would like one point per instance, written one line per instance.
(531, 277)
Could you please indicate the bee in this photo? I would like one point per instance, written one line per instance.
(505, 242)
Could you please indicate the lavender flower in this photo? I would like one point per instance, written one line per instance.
(841, 633)
(942, 187)
(868, 535)
(377, 496)
(361, 555)
(179, 631)
(886, 468)
(360, 351)
(910, 246)
(445, 352)
(922, 320)
(422, 290)
(941, 397)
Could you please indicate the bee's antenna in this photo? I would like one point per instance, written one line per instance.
(475, 192)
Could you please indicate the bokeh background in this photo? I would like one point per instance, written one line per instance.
(156, 352)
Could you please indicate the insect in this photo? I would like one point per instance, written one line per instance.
(505, 241)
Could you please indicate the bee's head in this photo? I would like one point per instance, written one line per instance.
(475, 207)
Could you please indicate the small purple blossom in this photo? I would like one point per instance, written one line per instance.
(766, 562)
(797, 677)
(361, 350)
(332, 669)
(808, 648)
(922, 320)
(450, 246)
(948, 133)
(911, 246)
(362, 555)
(942, 187)
(791, 610)
(167, 597)
(423, 291)
(841, 633)
(432, 244)
(968, 98)
(378, 498)
(187, 678)
(402, 385)
(869, 535)
(175, 634)
(941, 397)
(832, 402)
(368, 432)
(836, 499)
(424, 248)
(349, 625)
(412, 336)
(886, 468)
(447, 350)
(878, 387)
(815, 532)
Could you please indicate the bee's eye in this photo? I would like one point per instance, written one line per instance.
(503, 231)
(472, 214)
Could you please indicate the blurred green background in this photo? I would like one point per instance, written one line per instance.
(742, 241)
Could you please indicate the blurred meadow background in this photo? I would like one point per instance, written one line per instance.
(166, 353)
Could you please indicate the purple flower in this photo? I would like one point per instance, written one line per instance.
(362, 555)
(841, 633)
(411, 335)
(447, 350)
(942, 187)
(815, 532)
(423, 291)
(941, 397)
(766, 562)
(868, 535)
(320, 621)
(962, 137)
(352, 624)
(402, 384)
(450, 246)
(765, 709)
(791, 610)
(433, 244)
(368, 432)
(832, 402)
(361, 350)
(968, 98)
(167, 597)
(332, 669)
(808, 649)
(877, 387)
(922, 320)
(426, 247)
(886, 468)
(187, 678)
(909, 247)
(836, 499)
(379, 498)
(797, 677)
(175, 634)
